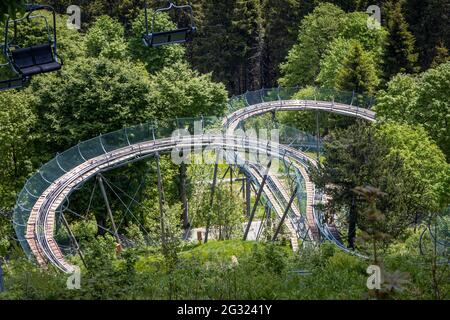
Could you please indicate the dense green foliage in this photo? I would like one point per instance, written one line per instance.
(398, 160)
(243, 62)
(229, 270)
(385, 181)
(10, 7)
(316, 32)
(400, 56)
(358, 73)
(422, 100)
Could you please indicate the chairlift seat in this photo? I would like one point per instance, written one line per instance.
(35, 60)
(169, 37)
(11, 84)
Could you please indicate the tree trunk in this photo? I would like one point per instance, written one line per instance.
(352, 219)
(101, 224)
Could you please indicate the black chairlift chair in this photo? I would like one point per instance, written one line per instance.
(36, 59)
(15, 82)
(10, 84)
(181, 35)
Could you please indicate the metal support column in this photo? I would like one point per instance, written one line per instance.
(72, 236)
(225, 174)
(161, 201)
(243, 196)
(2, 286)
(248, 196)
(183, 197)
(108, 208)
(286, 211)
(231, 180)
(269, 225)
(261, 226)
(318, 136)
(258, 197)
(211, 202)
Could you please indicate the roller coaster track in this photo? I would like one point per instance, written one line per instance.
(232, 121)
(46, 201)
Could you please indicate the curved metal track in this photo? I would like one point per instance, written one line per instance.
(41, 222)
(232, 121)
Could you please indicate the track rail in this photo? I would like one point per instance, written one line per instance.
(232, 121)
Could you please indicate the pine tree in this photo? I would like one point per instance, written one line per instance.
(215, 46)
(248, 25)
(10, 7)
(400, 55)
(430, 23)
(441, 55)
(281, 19)
(358, 72)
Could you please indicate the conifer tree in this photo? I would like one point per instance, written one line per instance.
(215, 47)
(400, 55)
(441, 55)
(248, 24)
(358, 72)
(430, 23)
(281, 20)
(10, 7)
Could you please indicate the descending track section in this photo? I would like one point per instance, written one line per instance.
(256, 103)
(45, 193)
(41, 222)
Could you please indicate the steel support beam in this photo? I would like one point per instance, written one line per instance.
(286, 211)
(225, 175)
(318, 136)
(248, 196)
(2, 286)
(66, 225)
(261, 226)
(258, 197)
(231, 179)
(108, 208)
(161, 201)
(183, 196)
(243, 189)
(211, 201)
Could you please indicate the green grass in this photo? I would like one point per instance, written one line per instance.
(220, 250)
(213, 251)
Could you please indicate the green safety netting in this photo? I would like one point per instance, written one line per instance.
(97, 146)
(287, 93)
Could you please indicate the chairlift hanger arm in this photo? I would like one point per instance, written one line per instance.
(174, 6)
(37, 58)
(30, 17)
(35, 7)
(171, 6)
(29, 9)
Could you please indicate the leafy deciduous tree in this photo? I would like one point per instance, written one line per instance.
(316, 32)
(423, 100)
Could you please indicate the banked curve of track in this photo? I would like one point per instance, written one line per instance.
(41, 222)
